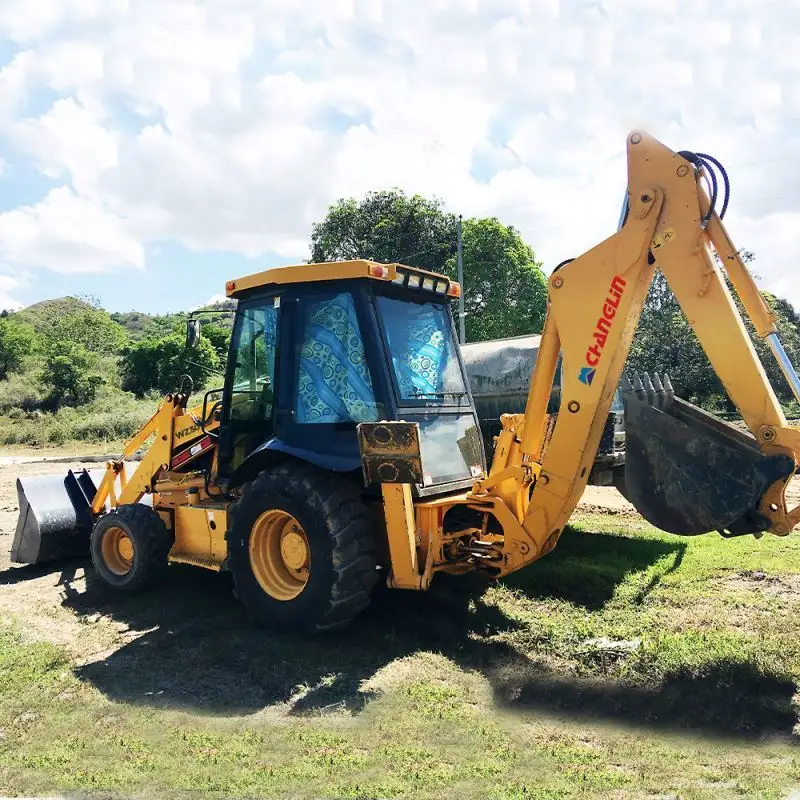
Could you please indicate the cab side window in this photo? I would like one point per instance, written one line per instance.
(252, 396)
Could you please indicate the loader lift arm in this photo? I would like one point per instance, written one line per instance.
(169, 422)
(595, 301)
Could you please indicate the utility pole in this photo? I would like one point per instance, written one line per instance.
(460, 261)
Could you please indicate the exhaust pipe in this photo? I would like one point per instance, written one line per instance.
(687, 472)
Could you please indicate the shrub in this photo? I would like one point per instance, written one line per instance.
(70, 373)
(17, 341)
(160, 364)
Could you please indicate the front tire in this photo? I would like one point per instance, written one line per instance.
(129, 547)
(301, 549)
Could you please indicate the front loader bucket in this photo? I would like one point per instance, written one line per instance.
(686, 471)
(55, 517)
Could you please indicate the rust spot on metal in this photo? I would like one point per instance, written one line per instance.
(390, 452)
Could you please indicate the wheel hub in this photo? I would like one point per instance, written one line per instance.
(117, 551)
(280, 555)
(294, 550)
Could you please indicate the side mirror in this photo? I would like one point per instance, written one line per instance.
(192, 333)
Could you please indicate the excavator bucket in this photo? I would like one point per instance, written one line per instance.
(55, 517)
(688, 472)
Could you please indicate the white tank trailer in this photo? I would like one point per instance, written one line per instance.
(499, 373)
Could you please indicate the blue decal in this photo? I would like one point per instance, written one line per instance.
(587, 375)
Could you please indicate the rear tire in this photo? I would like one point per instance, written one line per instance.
(129, 547)
(301, 549)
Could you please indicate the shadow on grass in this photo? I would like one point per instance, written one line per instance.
(586, 568)
(725, 699)
(198, 651)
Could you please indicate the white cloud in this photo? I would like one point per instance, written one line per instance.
(67, 141)
(232, 124)
(67, 233)
(8, 286)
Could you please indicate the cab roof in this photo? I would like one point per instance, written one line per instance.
(334, 271)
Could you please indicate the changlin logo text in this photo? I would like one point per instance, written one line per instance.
(602, 329)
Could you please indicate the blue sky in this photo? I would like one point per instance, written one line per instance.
(152, 149)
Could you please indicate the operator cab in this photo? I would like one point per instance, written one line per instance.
(318, 348)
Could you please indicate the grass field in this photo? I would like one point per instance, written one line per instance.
(466, 692)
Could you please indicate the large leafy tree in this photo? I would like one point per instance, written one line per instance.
(505, 290)
(386, 226)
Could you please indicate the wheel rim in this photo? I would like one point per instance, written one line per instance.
(117, 548)
(280, 554)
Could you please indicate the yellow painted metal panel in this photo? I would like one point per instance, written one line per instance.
(398, 508)
(327, 271)
(200, 533)
(305, 273)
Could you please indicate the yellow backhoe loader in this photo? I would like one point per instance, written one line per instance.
(344, 447)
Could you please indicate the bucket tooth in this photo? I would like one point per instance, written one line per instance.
(638, 387)
(649, 389)
(626, 384)
(660, 394)
(669, 392)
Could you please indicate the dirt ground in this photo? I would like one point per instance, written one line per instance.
(60, 606)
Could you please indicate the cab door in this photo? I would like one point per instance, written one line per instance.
(248, 416)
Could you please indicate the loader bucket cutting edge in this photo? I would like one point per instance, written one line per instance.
(687, 472)
(55, 517)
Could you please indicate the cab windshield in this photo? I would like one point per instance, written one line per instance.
(422, 350)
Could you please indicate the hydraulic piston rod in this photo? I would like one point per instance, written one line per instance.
(785, 363)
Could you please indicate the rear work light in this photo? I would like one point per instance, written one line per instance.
(441, 287)
(454, 289)
(399, 277)
(378, 271)
(427, 284)
(414, 281)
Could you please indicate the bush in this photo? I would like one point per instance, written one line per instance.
(70, 373)
(17, 341)
(160, 364)
(21, 391)
(111, 418)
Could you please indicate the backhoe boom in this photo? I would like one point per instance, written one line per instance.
(595, 302)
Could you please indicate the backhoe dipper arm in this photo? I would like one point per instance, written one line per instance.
(595, 302)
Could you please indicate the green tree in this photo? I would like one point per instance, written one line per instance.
(161, 363)
(386, 226)
(70, 374)
(665, 342)
(505, 290)
(219, 338)
(88, 325)
(17, 340)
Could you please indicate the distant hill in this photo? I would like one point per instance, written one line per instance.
(140, 326)
(137, 324)
(39, 313)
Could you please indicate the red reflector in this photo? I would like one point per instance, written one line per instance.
(454, 289)
(230, 286)
(378, 271)
(192, 452)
